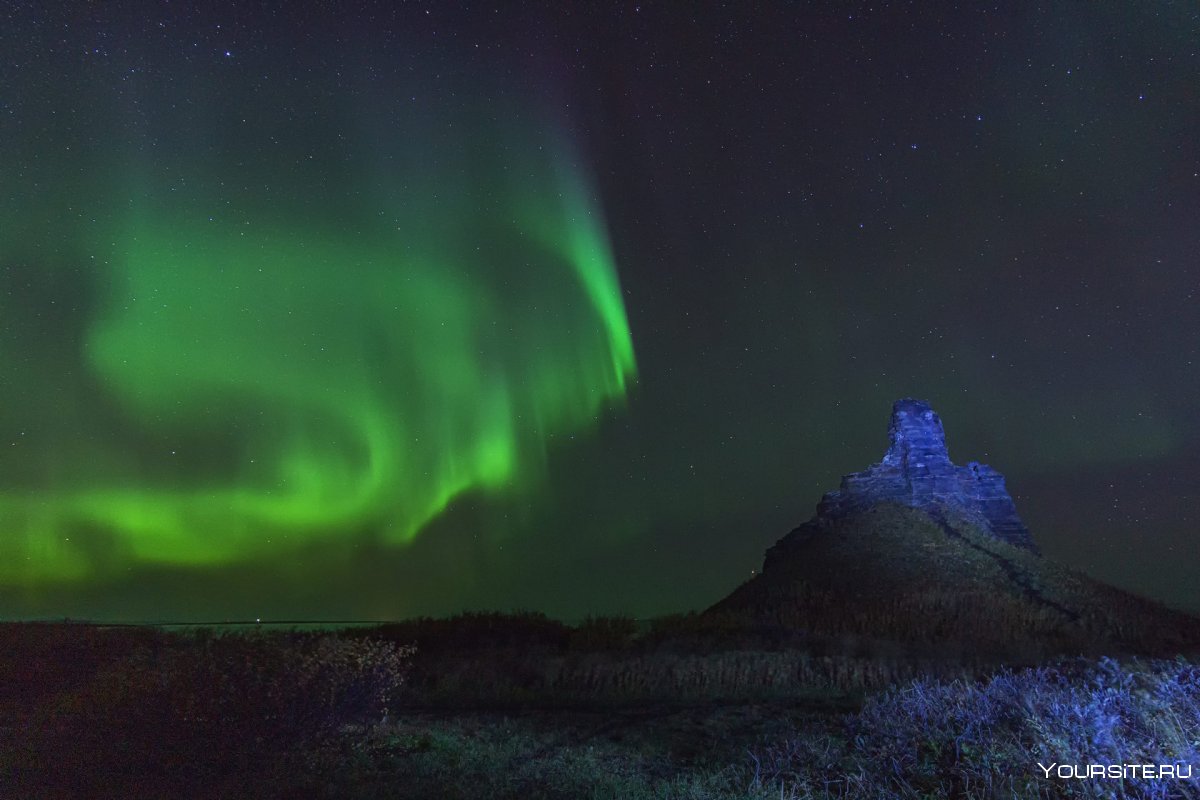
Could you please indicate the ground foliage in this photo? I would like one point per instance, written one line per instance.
(144, 713)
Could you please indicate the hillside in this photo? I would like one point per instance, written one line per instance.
(894, 579)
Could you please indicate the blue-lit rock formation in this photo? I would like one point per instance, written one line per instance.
(917, 471)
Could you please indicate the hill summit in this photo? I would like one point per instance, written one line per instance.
(917, 472)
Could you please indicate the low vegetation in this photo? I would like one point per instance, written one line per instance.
(987, 738)
(923, 739)
(607, 709)
(140, 712)
(892, 576)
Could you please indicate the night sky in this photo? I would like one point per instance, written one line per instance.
(316, 313)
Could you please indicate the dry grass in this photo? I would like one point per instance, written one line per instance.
(627, 711)
(171, 713)
(893, 574)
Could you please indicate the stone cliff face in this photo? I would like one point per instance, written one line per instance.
(917, 471)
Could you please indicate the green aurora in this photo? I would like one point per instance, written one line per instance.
(287, 371)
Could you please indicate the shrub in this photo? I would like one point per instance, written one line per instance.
(963, 738)
(213, 705)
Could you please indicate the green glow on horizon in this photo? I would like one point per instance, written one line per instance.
(352, 375)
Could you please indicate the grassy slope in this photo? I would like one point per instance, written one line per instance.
(893, 575)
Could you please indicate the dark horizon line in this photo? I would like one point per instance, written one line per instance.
(145, 623)
(168, 623)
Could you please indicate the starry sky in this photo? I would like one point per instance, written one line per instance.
(369, 310)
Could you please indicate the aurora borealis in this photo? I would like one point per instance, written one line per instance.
(294, 361)
(361, 314)
(372, 377)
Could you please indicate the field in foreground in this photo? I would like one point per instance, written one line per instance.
(90, 712)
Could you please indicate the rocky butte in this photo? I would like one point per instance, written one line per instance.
(919, 556)
(917, 472)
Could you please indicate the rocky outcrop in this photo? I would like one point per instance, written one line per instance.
(917, 472)
(918, 558)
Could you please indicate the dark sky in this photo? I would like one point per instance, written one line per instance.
(354, 311)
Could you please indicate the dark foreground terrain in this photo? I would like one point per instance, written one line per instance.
(888, 653)
(520, 706)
